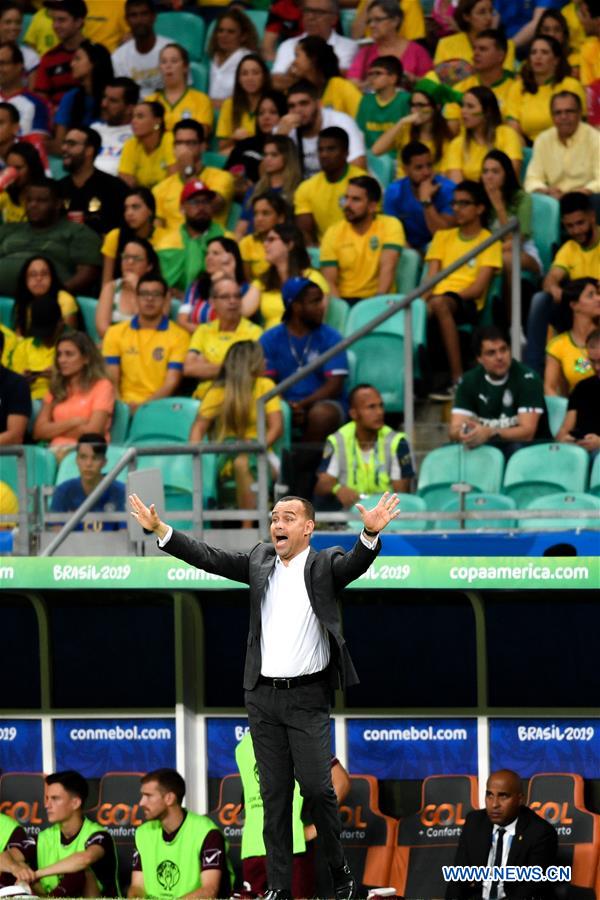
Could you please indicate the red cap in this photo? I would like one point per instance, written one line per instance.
(195, 187)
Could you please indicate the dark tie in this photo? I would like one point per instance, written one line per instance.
(497, 861)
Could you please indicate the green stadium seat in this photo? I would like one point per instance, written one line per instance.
(214, 159)
(545, 469)
(408, 503)
(88, 306)
(167, 420)
(36, 406)
(481, 468)
(557, 410)
(120, 423)
(408, 270)
(199, 73)
(27, 17)
(57, 169)
(337, 314)
(7, 305)
(381, 167)
(68, 466)
(285, 441)
(478, 503)
(347, 17)
(595, 477)
(41, 468)
(527, 154)
(174, 309)
(235, 212)
(315, 256)
(546, 226)
(178, 479)
(564, 502)
(183, 28)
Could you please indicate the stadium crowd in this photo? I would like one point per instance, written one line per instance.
(198, 212)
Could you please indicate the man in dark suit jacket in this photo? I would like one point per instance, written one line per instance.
(296, 656)
(525, 839)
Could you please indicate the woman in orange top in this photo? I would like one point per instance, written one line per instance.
(81, 398)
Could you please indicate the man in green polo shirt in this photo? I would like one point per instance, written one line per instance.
(181, 251)
(387, 103)
(73, 248)
(178, 853)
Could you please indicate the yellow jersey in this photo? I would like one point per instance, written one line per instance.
(10, 342)
(578, 261)
(211, 343)
(413, 24)
(590, 61)
(191, 105)
(9, 211)
(532, 111)
(213, 402)
(501, 89)
(357, 256)
(342, 95)
(448, 245)
(403, 138)
(29, 355)
(225, 122)
(574, 362)
(252, 251)
(144, 356)
(322, 198)
(104, 24)
(147, 168)
(469, 159)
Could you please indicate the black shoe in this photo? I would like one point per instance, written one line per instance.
(344, 883)
(273, 894)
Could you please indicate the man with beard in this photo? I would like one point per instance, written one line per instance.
(359, 254)
(178, 853)
(114, 126)
(138, 58)
(181, 250)
(90, 197)
(579, 257)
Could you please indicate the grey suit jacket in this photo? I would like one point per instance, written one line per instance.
(325, 574)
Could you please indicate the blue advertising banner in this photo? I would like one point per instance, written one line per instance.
(412, 748)
(96, 746)
(546, 745)
(222, 737)
(20, 745)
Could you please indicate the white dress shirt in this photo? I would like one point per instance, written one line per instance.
(345, 50)
(331, 117)
(222, 77)
(509, 833)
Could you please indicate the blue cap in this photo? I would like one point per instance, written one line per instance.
(292, 288)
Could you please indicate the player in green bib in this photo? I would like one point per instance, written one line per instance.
(17, 852)
(178, 853)
(500, 401)
(76, 857)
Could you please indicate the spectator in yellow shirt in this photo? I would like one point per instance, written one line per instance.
(178, 99)
(453, 58)
(147, 157)
(229, 409)
(482, 131)
(458, 298)
(33, 356)
(412, 27)
(316, 61)
(189, 145)
(567, 361)
(489, 69)
(268, 210)
(360, 253)
(545, 72)
(237, 118)
(145, 355)
(318, 200)
(211, 341)
(589, 14)
(579, 257)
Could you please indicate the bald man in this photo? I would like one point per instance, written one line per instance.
(505, 833)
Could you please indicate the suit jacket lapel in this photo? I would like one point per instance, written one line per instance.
(312, 555)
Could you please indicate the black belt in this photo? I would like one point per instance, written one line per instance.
(283, 684)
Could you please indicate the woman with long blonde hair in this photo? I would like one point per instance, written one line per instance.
(229, 411)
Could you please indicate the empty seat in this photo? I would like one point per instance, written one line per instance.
(183, 28)
(88, 306)
(545, 221)
(168, 420)
(337, 314)
(368, 836)
(7, 305)
(481, 468)
(381, 167)
(558, 798)
(120, 422)
(41, 469)
(229, 816)
(427, 840)
(408, 270)
(408, 503)
(564, 502)
(478, 502)
(178, 481)
(22, 797)
(199, 73)
(557, 410)
(545, 469)
(119, 811)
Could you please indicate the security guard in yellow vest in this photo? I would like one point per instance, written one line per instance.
(365, 456)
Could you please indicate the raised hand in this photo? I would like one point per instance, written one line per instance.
(146, 516)
(377, 518)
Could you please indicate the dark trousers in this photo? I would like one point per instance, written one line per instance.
(292, 739)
